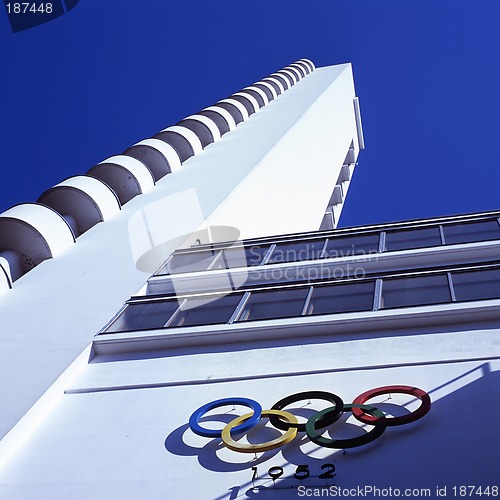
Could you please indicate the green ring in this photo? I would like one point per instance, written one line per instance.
(378, 429)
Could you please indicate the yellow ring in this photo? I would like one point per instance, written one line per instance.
(268, 445)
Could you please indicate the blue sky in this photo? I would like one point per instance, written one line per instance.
(112, 72)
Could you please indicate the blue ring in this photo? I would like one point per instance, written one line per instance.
(194, 419)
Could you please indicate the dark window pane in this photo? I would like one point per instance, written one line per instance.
(471, 231)
(343, 246)
(255, 254)
(190, 262)
(342, 298)
(272, 304)
(240, 257)
(477, 285)
(296, 251)
(415, 291)
(205, 311)
(412, 238)
(143, 316)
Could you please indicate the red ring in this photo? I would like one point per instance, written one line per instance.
(422, 410)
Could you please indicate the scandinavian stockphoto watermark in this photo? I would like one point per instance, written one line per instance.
(309, 274)
(157, 230)
(303, 251)
(315, 264)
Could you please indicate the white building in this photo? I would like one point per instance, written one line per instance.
(256, 303)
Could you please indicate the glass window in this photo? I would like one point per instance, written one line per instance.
(143, 316)
(255, 254)
(206, 310)
(412, 238)
(350, 297)
(296, 251)
(343, 246)
(240, 257)
(190, 262)
(477, 285)
(415, 291)
(471, 232)
(280, 303)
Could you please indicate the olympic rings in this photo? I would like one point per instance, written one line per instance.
(332, 416)
(287, 422)
(268, 445)
(247, 423)
(365, 438)
(422, 410)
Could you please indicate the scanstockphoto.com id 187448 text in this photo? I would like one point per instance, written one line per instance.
(369, 491)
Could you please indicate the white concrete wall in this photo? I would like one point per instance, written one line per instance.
(53, 312)
(297, 174)
(117, 426)
(121, 430)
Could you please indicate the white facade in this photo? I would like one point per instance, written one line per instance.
(110, 415)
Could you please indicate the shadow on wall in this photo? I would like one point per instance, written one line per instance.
(455, 444)
(234, 346)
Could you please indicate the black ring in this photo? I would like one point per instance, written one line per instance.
(325, 421)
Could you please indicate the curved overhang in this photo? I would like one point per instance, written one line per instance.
(9, 269)
(291, 74)
(275, 83)
(5, 281)
(309, 63)
(182, 139)
(234, 108)
(281, 79)
(209, 124)
(298, 74)
(125, 175)
(248, 100)
(34, 233)
(86, 200)
(160, 158)
(303, 64)
(256, 92)
(301, 68)
(191, 137)
(271, 91)
(287, 76)
(231, 124)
